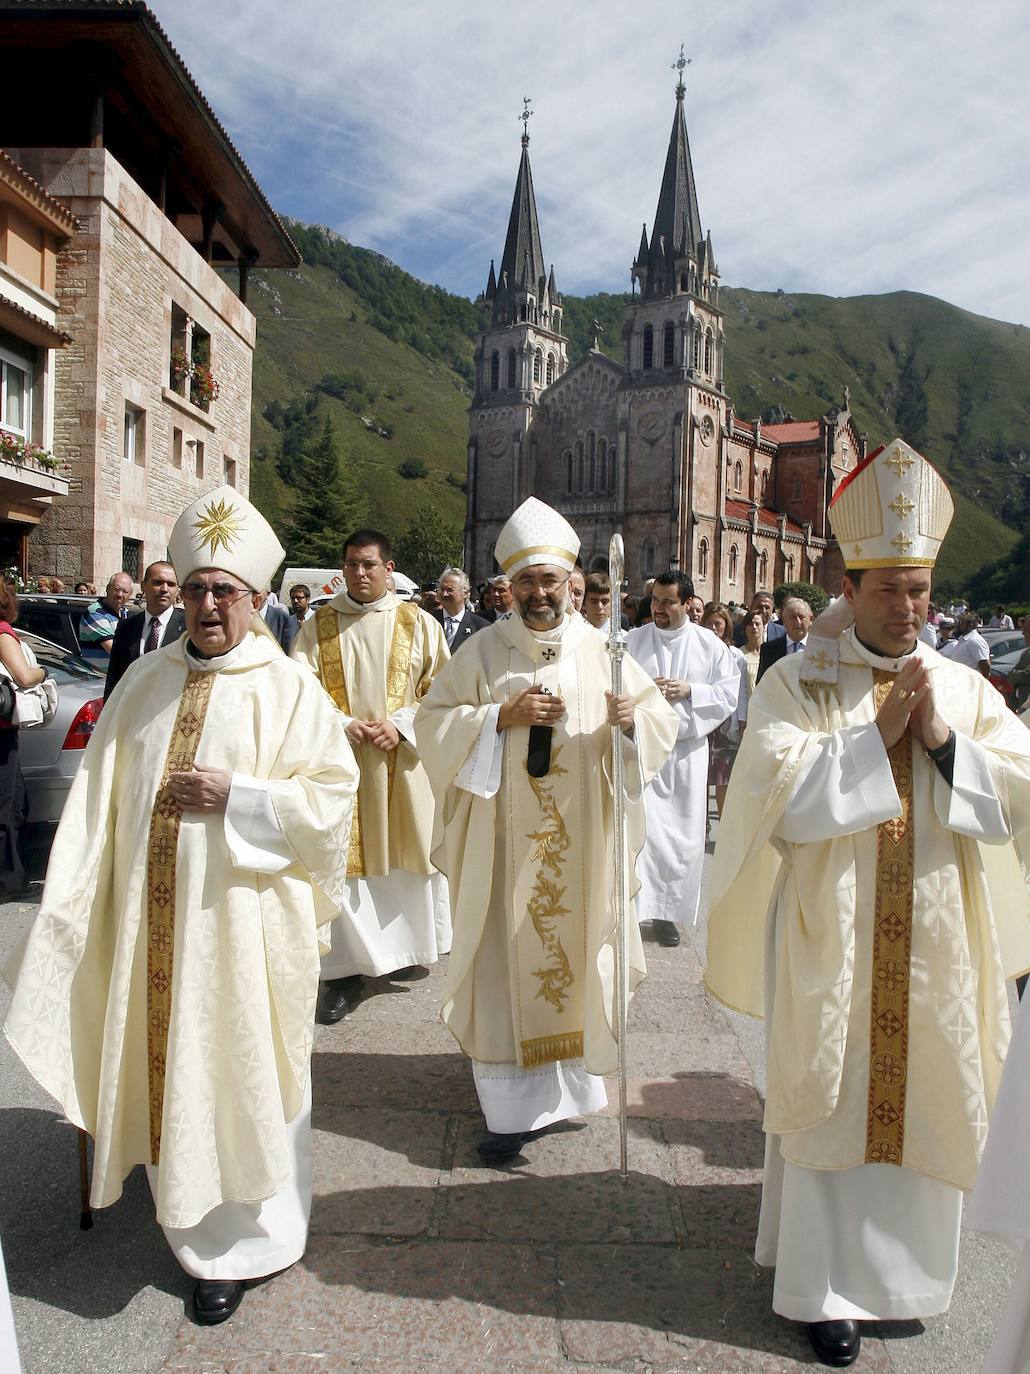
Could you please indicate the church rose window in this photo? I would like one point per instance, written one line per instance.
(648, 348)
(669, 344)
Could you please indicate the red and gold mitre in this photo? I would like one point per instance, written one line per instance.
(893, 511)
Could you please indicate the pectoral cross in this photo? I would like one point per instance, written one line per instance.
(548, 654)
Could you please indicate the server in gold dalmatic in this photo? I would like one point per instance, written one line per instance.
(166, 992)
(878, 810)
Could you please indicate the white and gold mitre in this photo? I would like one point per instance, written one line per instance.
(223, 530)
(536, 534)
(893, 511)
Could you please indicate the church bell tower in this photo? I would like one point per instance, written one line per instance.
(518, 356)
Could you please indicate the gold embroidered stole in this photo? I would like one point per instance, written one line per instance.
(892, 955)
(162, 849)
(332, 677)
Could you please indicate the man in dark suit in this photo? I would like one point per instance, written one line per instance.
(162, 622)
(761, 602)
(458, 622)
(278, 619)
(797, 620)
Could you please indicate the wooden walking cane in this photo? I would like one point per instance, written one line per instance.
(86, 1214)
(616, 649)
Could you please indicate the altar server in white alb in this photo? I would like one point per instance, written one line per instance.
(165, 995)
(698, 676)
(515, 736)
(877, 810)
(376, 654)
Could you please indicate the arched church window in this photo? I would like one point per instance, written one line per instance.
(648, 348)
(602, 459)
(763, 569)
(511, 369)
(738, 476)
(593, 472)
(579, 467)
(648, 557)
(765, 483)
(669, 344)
(709, 341)
(697, 346)
(788, 570)
(538, 364)
(567, 462)
(550, 368)
(733, 563)
(702, 560)
(495, 370)
(684, 282)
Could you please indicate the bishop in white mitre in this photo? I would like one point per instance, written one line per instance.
(696, 673)
(515, 734)
(376, 655)
(876, 811)
(165, 995)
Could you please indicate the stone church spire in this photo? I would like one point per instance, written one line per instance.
(663, 266)
(522, 273)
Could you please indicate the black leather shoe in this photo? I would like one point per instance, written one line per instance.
(667, 933)
(339, 996)
(498, 1147)
(836, 1343)
(215, 1300)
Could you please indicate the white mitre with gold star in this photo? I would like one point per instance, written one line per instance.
(223, 530)
(536, 533)
(893, 511)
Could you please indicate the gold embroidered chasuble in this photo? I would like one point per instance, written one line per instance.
(889, 942)
(377, 660)
(164, 996)
(530, 977)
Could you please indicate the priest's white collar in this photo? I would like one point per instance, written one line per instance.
(881, 662)
(196, 664)
(343, 601)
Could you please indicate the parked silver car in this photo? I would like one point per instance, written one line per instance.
(50, 755)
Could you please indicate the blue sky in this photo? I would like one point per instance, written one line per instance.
(842, 149)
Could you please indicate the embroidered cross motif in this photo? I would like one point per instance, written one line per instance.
(548, 654)
(858, 550)
(902, 506)
(820, 661)
(902, 543)
(900, 462)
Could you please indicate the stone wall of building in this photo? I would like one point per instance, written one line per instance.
(119, 279)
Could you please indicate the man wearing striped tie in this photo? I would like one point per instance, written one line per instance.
(162, 622)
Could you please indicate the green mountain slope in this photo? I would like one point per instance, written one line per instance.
(954, 384)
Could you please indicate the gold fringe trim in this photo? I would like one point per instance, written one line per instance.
(547, 1049)
(162, 852)
(820, 692)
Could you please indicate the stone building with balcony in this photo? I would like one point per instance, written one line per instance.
(153, 388)
(649, 445)
(33, 229)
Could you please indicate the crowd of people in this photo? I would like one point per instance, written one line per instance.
(270, 813)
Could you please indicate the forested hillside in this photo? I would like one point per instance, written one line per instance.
(353, 338)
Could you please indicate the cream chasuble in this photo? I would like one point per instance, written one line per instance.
(530, 865)
(166, 992)
(676, 802)
(376, 659)
(898, 908)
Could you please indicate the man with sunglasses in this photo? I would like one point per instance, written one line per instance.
(166, 996)
(515, 735)
(376, 654)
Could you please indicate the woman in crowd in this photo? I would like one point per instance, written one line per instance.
(13, 807)
(754, 633)
(724, 742)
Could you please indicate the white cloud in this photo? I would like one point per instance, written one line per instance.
(841, 149)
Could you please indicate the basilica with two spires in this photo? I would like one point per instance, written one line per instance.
(649, 445)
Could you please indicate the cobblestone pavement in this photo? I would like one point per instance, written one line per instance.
(421, 1258)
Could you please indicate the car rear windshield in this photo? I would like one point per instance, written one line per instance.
(62, 666)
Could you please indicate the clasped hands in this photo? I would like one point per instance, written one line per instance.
(381, 733)
(201, 789)
(533, 706)
(673, 688)
(910, 705)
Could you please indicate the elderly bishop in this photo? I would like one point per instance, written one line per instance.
(166, 992)
(876, 812)
(515, 735)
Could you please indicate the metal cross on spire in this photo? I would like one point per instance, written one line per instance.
(680, 65)
(524, 119)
